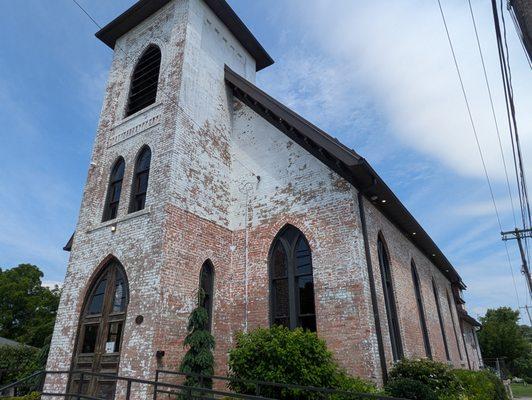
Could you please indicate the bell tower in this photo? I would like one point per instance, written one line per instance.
(157, 200)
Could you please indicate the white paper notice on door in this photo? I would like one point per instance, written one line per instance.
(110, 347)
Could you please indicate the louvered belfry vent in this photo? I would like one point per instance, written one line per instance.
(143, 90)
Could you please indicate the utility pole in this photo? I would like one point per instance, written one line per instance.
(519, 234)
(528, 312)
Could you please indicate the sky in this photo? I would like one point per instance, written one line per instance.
(376, 75)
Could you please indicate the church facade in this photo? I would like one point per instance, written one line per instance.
(199, 178)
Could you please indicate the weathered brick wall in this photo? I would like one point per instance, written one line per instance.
(402, 252)
(223, 183)
(471, 342)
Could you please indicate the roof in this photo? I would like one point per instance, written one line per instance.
(523, 14)
(68, 246)
(346, 162)
(468, 318)
(9, 342)
(142, 9)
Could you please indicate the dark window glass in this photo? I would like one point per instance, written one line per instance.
(389, 301)
(421, 311)
(440, 319)
(292, 284)
(96, 303)
(115, 188)
(90, 335)
(140, 181)
(114, 334)
(454, 325)
(207, 285)
(143, 90)
(119, 298)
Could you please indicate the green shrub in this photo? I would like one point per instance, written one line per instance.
(434, 375)
(30, 396)
(409, 388)
(199, 358)
(431, 380)
(480, 385)
(287, 356)
(18, 362)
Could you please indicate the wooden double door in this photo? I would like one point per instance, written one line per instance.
(100, 332)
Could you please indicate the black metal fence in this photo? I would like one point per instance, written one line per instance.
(169, 385)
(273, 389)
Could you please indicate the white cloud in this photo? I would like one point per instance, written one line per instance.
(397, 54)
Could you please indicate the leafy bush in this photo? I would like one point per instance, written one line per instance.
(287, 356)
(409, 388)
(30, 396)
(431, 380)
(436, 376)
(481, 385)
(17, 362)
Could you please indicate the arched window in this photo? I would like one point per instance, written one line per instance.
(114, 190)
(420, 309)
(101, 329)
(291, 281)
(440, 319)
(389, 301)
(207, 285)
(143, 89)
(454, 324)
(140, 180)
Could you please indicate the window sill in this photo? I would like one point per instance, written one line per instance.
(137, 114)
(119, 220)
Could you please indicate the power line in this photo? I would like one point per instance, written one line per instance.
(476, 136)
(486, 80)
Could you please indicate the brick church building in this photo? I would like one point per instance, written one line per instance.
(199, 178)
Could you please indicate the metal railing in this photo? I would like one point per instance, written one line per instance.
(162, 389)
(260, 388)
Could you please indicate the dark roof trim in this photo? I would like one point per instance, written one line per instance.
(142, 9)
(523, 13)
(68, 246)
(468, 318)
(346, 162)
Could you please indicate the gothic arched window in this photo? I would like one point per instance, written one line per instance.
(140, 180)
(440, 319)
(115, 188)
(207, 285)
(101, 328)
(291, 281)
(143, 89)
(454, 324)
(420, 309)
(389, 301)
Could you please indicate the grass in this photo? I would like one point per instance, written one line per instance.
(519, 390)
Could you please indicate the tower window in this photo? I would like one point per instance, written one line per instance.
(143, 89)
(140, 180)
(389, 301)
(440, 319)
(291, 281)
(114, 190)
(421, 311)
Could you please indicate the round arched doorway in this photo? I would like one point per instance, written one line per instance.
(100, 330)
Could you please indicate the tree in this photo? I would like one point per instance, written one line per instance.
(27, 309)
(199, 358)
(501, 336)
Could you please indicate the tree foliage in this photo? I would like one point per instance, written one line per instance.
(27, 309)
(199, 358)
(501, 336)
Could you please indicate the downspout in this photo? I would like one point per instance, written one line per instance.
(373, 292)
